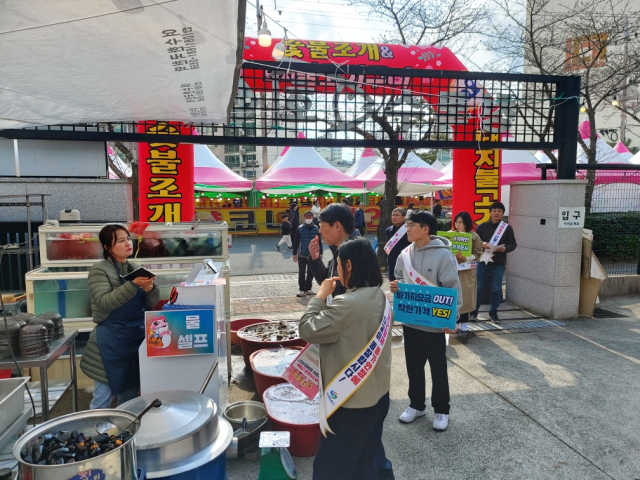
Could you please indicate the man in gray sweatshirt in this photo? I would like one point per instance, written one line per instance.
(430, 257)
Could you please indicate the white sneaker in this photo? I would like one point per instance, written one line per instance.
(440, 422)
(301, 294)
(410, 414)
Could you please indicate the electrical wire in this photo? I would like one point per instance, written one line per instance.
(6, 327)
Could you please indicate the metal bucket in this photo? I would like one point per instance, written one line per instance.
(118, 464)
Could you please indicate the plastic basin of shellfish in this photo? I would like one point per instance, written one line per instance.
(288, 417)
(249, 345)
(262, 379)
(236, 325)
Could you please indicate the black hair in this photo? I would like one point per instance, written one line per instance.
(308, 212)
(285, 215)
(466, 219)
(499, 205)
(338, 212)
(425, 219)
(365, 271)
(437, 201)
(402, 211)
(108, 237)
(410, 206)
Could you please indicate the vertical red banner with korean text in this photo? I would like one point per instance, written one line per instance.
(476, 180)
(165, 172)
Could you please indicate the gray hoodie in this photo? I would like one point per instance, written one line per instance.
(435, 262)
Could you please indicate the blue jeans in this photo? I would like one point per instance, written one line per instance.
(482, 274)
(103, 398)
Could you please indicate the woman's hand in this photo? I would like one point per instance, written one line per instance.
(144, 283)
(451, 332)
(460, 258)
(327, 288)
(393, 286)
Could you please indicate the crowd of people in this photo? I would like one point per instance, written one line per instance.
(350, 305)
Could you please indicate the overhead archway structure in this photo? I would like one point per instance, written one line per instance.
(344, 94)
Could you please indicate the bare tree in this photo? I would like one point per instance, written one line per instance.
(450, 23)
(595, 39)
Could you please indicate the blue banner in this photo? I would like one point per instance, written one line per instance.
(425, 306)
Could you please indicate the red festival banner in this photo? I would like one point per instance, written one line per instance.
(165, 171)
(476, 173)
(476, 180)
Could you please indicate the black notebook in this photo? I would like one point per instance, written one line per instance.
(139, 272)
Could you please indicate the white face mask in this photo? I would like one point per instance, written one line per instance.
(308, 221)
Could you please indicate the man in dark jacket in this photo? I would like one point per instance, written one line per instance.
(305, 233)
(398, 217)
(336, 226)
(358, 220)
(294, 219)
(437, 209)
(496, 266)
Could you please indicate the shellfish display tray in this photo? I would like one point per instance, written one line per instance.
(271, 332)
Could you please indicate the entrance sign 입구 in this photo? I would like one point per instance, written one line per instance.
(426, 306)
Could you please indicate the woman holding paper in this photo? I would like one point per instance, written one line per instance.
(353, 332)
(467, 272)
(118, 306)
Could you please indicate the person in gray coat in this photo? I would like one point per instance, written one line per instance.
(432, 258)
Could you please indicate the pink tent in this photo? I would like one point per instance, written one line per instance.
(623, 151)
(301, 170)
(604, 153)
(362, 163)
(211, 175)
(413, 177)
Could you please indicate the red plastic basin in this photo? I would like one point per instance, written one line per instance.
(262, 380)
(250, 346)
(236, 325)
(304, 437)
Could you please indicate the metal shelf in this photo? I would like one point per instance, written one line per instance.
(20, 250)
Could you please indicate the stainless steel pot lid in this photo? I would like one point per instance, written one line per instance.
(181, 415)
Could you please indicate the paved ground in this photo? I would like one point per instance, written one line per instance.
(552, 403)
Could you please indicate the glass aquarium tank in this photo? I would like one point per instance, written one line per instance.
(154, 243)
(66, 290)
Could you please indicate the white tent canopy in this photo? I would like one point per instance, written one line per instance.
(362, 163)
(172, 60)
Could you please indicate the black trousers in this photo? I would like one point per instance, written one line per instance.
(351, 454)
(421, 347)
(305, 277)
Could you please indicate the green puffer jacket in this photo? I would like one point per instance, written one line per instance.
(107, 294)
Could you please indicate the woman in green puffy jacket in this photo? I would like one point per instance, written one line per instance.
(118, 306)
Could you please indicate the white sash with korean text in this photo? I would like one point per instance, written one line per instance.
(487, 256)
(354, 374)
(393, 241)
(414, 275)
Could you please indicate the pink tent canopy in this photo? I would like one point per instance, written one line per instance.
(623, 151)
(414, 170)
(301, 170)
(415, 177)
(211, 175)
(604, 153)
(362, 163)
(517, 166)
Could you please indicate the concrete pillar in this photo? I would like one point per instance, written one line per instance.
(543, 273)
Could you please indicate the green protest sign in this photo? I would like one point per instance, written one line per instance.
(460, 242)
